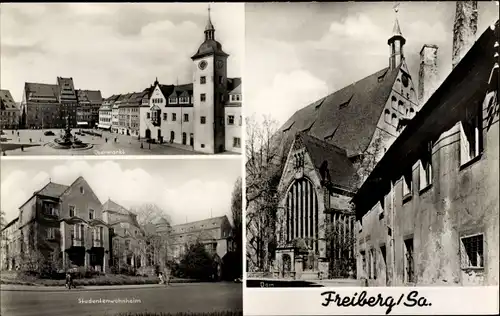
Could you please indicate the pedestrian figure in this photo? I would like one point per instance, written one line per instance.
(17, 133)
(160, 276)
(106, 139)
(149, 144)
(22, 148)
(30, 140)
(19, 139)
(3, 153)
(142, 146)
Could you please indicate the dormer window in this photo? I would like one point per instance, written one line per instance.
(172, 100)
(184, 100)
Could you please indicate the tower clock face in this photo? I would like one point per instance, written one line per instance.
(219, 64)
(203, 64)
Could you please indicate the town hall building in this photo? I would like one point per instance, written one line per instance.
(204, 114)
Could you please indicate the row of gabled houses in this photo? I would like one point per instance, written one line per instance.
(104, 237)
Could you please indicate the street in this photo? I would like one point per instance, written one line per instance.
(177, 298)
(124, 145)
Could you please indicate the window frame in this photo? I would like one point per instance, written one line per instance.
(230, 120)
(425, 170)
(462, 249)
(203, 119)
(203, 79)
(203, 97)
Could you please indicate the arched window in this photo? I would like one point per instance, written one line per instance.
(394, 102)
(387, 116)
(401, 106)
(394, 119)
(302, 218)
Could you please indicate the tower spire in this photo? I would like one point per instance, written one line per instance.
(396, 42)
(209, 29)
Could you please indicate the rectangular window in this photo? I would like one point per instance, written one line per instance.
(374, 263)
(363, 262)
(91, 214)
(472, 251)
(407, 184)
(470, 138)
(222, 97)
(71, 211)
(148, 115)
(186, 117)
(203, 119)
(164, 116)
(51, 233)
(221, 80)
(236, 142)
(425, 168)
(230, 120)
(203, 80)
(203, 97)
(409, 262)
(174, 117)
(241, 120)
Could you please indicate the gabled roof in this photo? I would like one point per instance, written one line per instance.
(330, 161)
(112, 206)
(176, 229)
(52, 189)
(351, 126)
(233, 83)
(7, 100)
(41, 90)
(92, 96)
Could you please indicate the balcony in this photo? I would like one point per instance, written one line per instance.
(97, 243)
(77, 242)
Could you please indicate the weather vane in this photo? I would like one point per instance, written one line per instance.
(396, 7)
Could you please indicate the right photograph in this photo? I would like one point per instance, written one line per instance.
(372, 144)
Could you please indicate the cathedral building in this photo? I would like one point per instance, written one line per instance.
(201, 114)
(334, 142)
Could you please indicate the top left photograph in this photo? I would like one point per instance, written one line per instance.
(121, 78)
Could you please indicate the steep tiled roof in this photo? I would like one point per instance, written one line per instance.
(7, 100)
(92, 96)
(236, 90)
(209, 47)
(352, 125)
(177, 229)
(233, 83)
(41, 90)
(330, 161)
(110, 205)
(52, 189)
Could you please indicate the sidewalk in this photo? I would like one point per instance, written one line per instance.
(41, 288)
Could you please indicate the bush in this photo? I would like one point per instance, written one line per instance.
(197, 263)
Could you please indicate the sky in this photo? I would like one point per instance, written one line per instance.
(297, 53)
(113, 47)
(187, 189)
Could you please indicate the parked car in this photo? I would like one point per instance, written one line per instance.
(49, 133)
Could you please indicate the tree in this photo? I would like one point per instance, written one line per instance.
(2, 219)
(197, 263)
(153, 243)
(236, 211)
(266, 150)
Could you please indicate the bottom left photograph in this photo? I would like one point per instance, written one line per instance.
(121, 237)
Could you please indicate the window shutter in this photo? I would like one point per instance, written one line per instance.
(464, 145)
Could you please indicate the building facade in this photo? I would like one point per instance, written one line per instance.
(233, 116)
(66, 220)
(9, 111)
(194, 114)
(105, 113)
(10, 244)
(214, 233)
(48, 105)
(428, 213)
(89, 103)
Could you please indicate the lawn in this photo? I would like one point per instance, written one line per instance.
(108, 279)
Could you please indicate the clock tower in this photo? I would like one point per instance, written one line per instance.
(209, 93)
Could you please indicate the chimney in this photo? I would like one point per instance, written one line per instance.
(464, 29)
(428, 73)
